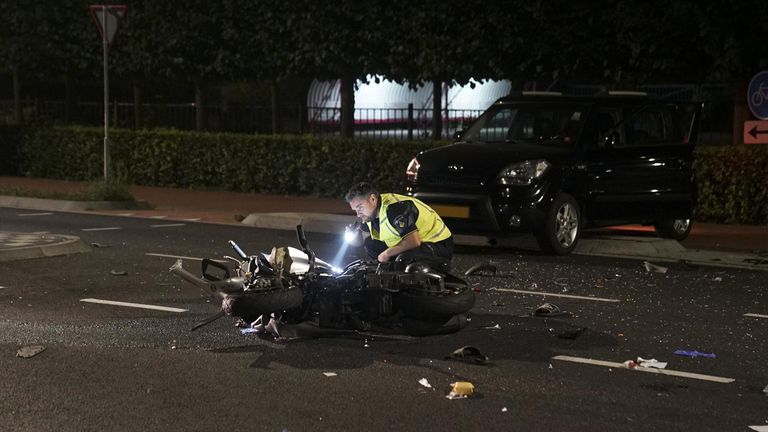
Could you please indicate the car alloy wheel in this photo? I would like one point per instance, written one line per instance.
(681, 225)
(566, 225)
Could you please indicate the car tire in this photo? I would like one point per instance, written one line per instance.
(561, 228)
(676, 229)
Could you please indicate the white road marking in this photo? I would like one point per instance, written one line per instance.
(157, 217)
(192, 219)
(34, 214)
(754, 315)
(125, 214)
(702, 377)
(2, 287)
(178, 257)
(101, 229)
(557, 295)
(41, 232)
(133, 305)
(167, 225)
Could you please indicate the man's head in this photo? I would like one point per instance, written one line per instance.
(363, 199)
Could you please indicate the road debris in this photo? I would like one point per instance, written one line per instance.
(490, 268)
(694, 353)
(504, 409)
(425, 383)
(118, 273)
(99, 245)
(468, 354)
(330, 374)
(760, 428)
(654, 268)
(547, 310)
(461, 390)
(571, 334)
(30, 351)
(645, 363)
(496, 327)
(765, 390)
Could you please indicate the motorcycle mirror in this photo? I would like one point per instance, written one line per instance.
(221, 271)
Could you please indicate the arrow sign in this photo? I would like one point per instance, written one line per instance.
(107, 19)
(756, 132)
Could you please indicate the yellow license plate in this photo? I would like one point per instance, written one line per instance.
(451, 211)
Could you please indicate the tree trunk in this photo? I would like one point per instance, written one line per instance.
(437, 115)
(17, 96)
(274, 90)
(739, 111)
(138, 109)
(199, 107)
(347, 107)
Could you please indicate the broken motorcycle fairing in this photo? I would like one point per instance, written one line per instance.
(293, 286)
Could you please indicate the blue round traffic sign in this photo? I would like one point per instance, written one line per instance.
(757, 95)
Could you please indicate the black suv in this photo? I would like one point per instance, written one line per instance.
(552, 164)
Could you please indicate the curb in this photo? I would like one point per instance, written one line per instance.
(64, 205)
(64, 245)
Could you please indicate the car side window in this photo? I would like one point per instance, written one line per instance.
(650, 126)
(601, 122)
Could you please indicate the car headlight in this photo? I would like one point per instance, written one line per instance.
(523, 173)
(412, 172)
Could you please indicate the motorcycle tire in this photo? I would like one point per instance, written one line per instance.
(250, 305)
(452, 324)
(422, 306)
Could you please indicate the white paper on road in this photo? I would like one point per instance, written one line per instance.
(330, 374)
(425, 383)
(651, 363)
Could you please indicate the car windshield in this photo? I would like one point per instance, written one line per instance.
(540, 124)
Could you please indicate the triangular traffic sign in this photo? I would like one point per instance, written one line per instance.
(107, 19)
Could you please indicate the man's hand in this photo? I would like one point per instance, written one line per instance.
(411, 241)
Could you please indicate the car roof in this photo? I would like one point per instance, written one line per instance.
(624, 97)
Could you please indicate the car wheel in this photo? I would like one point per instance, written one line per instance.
(676, 229)
(560, 231)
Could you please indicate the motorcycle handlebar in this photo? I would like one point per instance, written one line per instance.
(237, 249)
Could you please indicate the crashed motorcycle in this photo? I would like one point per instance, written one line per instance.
(291, 286)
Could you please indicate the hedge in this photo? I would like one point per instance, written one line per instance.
(732, 180)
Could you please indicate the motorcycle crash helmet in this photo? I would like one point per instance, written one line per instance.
(260, 266)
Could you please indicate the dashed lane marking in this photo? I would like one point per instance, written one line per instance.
(133, 305)
(178, 257)
(167, 225)
(702, 377)
(157, 217)
(192, 219)
(610, 300)
(754, 315)
(101, 229)
(34, 214)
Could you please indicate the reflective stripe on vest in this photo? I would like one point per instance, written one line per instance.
(431, 228)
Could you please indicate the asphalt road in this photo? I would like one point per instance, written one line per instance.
(118, 368)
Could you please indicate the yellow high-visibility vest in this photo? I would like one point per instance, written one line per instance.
(431, 228)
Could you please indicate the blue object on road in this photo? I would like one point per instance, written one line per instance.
(694, 354)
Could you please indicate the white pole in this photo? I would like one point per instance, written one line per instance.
(105, 43)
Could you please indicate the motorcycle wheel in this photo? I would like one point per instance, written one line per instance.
(421, 306)
(250, 305)
(452, 324)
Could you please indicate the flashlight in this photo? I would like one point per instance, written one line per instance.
(352, 233)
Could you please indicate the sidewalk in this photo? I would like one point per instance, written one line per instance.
(708, 243)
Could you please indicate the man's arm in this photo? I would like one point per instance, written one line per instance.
(410, 241)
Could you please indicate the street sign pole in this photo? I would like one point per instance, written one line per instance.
(105, 44)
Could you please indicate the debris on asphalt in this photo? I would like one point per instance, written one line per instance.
(468, 354)
(330, 374)
(99, 245)
(549, 310)
(118, 273)
(425, 383)
(765, 390)
(630, 364)
(571, 334)
(760, 428)
(461, 390)
(717, 279)
(693, 353)
(30, 351)
(654, 268)
(504, 409)
(496, 327)
(481, 268)
(651, 363)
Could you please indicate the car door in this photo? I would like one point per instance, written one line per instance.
(641, 168)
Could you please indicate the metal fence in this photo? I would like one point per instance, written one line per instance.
(406, 123)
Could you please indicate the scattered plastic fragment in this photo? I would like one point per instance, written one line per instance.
(654, 268)
(246, 330)
(330, 374)
(425, 383)
(99, 245)
(496, 327)
(480, 267)
(760, 428)
(461, 390)
(118, 273)
(468, 354)
(549, 310)
(630, 364)
(29, 351)
(651, 363)
(694, 354)
(504, 409)
(718, 279)
(765, 390)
